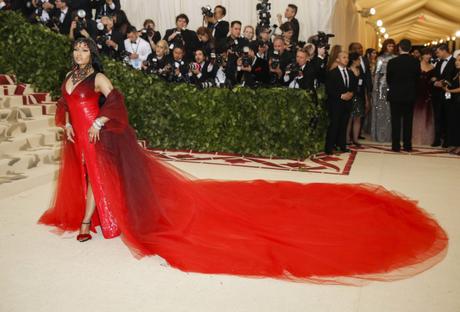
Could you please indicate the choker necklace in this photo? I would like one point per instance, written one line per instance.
(81, 73)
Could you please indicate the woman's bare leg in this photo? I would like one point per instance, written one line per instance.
(89, 211)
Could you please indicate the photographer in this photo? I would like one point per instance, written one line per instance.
(320, 58)
(288, 34)
(301, 74)
(232, 46)
(264, 36)
(279, 59)
(137, 48)
(42, 11)
(149, 33)
(249, 33)
(177, 68)
(61, 17)
(157, 60)
(181, 36)
(110, 42)
(105, 7)
(82, 26)
(201, 70)
(207, 42)
(219, 28)
(252, 71)
(289, 14)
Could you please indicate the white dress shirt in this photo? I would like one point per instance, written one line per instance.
(444, 63)
(140, 47)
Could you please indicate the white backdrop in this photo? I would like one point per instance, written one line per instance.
(313, 15)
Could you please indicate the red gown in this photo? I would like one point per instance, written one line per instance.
(334, 233)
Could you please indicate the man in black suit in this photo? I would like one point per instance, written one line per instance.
(252, 70)
(218, 26)
(403, 73)
(181, 36)
(301, 74)
(232, 46)
(105, 7)
(110, 42)
(444, 71)
(62, 16)
(201, 70)
(341, 84)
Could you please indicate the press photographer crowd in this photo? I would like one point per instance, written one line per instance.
(398, 90)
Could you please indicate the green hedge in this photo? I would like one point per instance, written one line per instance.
(265, 122)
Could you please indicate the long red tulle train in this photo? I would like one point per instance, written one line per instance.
(333, 233)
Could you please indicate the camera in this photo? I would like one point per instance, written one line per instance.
(275, 60)
(245, 58)
(294, 68)
(152, 66)
(263, 11)
(206, 11)
(81, 21)
(194, 66)
(218, 60)
(321, 40)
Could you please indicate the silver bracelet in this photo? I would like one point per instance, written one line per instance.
(97, 124)
(68, 125)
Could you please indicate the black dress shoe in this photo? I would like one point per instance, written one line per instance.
(329, 153)
(344, 150)
(436, 143)
(445, 145)
(357, 144)
(361, 137)
(408, 149)
(396, 149)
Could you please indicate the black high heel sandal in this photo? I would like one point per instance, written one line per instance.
(84, 237)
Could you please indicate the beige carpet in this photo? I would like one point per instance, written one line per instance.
(40, 271)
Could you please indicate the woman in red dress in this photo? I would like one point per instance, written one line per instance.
(335, 233)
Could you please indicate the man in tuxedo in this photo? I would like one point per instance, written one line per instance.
(201, 70)
(252, 70)
(110, 42)
(444, 71)
(403, 73)
(301, 74)
(279, 59)
(62, 15)
(341, 84)
(232, 45)
(138, 48)
(216, 23)
(105, 7)
(181, 36)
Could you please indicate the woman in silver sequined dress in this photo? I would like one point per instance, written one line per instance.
(380, 110)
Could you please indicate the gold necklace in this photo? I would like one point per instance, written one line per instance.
(80, 73)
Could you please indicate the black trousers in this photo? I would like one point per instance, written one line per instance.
(339, 113)
(440, 117)
(401, 112)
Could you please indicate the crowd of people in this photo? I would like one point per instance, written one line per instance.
(381, 93)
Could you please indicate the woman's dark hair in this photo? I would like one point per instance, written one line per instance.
(385, 45)
(205, 31)
(426, 51)
(369, 51)
(353, 56)
(95, 59)
(122, 22)
(148, 21)
(286, 27)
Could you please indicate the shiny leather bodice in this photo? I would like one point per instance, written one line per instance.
(83, 105)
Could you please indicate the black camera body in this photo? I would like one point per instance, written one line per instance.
(206, 11)
(263, 10)
(321, 40)
(275, 60)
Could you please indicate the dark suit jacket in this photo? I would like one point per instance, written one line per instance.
(190, 38)
(221, 30)
(103, 9)
(335, 86)
(448, 74)
(403, 73)
(258, 74)
(64, 28)
(118, 38)
(367, 76)
(306, 80)
(81, 4)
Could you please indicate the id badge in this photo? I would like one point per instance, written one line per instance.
(448, 96)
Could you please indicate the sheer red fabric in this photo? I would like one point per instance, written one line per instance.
(327, 233)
